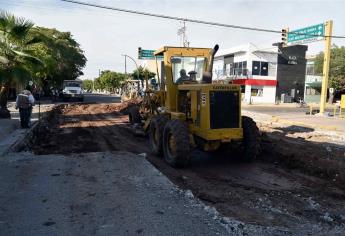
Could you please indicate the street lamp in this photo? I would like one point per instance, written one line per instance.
(125, 55)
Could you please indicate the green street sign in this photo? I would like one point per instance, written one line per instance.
(307, 34)
(144, 54)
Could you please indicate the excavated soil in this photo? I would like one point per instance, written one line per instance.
(297, 183)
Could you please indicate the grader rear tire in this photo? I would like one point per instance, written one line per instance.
(176, 145)
(251, 139)
(134, 115)
(156, 133)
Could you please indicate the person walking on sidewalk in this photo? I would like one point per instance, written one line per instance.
(25, 101)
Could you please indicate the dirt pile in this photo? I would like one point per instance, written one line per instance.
(124, 106)
(297, 148)
(79, 128)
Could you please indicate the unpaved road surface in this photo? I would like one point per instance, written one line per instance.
(296, 186)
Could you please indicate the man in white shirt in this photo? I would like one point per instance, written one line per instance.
(25, 101)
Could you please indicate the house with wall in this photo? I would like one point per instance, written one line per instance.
(265, 73)
(252, 67)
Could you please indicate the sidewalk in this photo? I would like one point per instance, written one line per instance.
(291, 115)
(10, 131)
(314, 121)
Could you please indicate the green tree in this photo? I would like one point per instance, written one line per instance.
(88, 84)
(17, 61)
(337, 67)
(109, 80)
(142, 73)
(63, 57)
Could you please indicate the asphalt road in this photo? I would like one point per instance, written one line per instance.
(101, 98)
(276, 109)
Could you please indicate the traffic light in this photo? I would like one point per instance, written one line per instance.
(285, 37)
(139, 52)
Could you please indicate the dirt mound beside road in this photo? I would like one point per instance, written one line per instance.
(122, 107)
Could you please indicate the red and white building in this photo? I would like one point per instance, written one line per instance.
(254, 68)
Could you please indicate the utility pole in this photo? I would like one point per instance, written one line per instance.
(125, 55)
(182, 32)
(326, 63)
(126, 66)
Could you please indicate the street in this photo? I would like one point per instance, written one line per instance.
(229, 121)
(88, 173)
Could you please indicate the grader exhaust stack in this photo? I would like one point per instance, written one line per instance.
(207, 75)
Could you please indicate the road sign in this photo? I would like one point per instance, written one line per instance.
(144, 54)
(306, 35)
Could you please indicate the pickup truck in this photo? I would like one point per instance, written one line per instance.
(72, 89)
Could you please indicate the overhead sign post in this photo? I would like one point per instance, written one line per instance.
(311, 34)
(144, 54)
(326, 62)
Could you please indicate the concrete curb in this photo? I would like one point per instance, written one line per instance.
(16, 141)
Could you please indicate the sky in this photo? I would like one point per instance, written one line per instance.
(106, 35)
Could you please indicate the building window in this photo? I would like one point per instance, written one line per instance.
(313, 91)
(260, 68)
(257, 91)
(264, 68)
(238, 68)
(256, 68)
(244, 68)
(311, 68)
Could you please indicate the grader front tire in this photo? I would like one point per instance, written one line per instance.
(156, 130)
(176, 145)
(251, 139)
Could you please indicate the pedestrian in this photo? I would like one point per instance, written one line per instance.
(24, 102)
(55, 94)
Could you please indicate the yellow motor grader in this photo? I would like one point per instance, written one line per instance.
(188, 111)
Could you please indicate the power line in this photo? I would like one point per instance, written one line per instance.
(189, 20)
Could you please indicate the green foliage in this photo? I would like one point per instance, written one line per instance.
(88, 84)
(36, 53)
(142, 73)
(337, 67)
(62, 55)
(17, 60)
(109, 80)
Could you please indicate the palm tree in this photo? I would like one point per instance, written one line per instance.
(16, 60)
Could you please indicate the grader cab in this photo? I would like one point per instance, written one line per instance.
(189, 111)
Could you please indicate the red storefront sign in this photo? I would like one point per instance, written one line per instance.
(257, 82)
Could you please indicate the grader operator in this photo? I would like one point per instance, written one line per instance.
(192, 112)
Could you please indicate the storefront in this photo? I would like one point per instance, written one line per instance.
(251, 67)
(266, 74)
